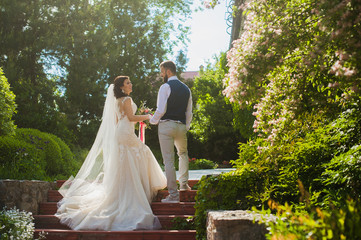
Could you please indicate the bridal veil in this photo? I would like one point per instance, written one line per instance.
(115, 185)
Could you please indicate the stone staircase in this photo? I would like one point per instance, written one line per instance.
(166, 212)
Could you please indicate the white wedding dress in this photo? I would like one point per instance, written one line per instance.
(117, 181)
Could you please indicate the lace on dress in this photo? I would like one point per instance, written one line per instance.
(120, 103)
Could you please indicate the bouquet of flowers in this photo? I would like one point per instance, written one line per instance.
(143, 109)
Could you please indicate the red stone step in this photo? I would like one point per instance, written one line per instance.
(62, 234)
(54, 196)
(159, 208)
(52, 222)
(181, 208)
(185, 196)
(191, 183)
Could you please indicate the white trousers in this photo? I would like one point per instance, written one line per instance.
(172, 134)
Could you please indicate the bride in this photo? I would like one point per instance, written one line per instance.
(115, 185)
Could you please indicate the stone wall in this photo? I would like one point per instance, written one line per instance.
(24, 194)
(235, 225)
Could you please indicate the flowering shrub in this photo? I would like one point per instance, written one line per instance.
(323, 159)
(297, 64)
(295, 57)
(16, 224)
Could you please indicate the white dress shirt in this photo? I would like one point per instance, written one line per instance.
(163, 95)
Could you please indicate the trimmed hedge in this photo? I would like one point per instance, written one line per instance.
(32, 154)
(45, 143)
(69, 163)
(20, 160)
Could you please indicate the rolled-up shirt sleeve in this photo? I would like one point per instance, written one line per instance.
(163, 95)
(189, 114)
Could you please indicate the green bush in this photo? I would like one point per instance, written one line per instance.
(32, 154)
(69, 163)
(336, 223)
(229, 191)
(7, 106)
(303, 160)
(20, 160)
(317, 164)
(342, 177)
(42, 141)
(195, 164)
(317, 154)
(328, 158)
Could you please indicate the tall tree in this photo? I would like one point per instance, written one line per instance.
(91, 42)
(218, 125)
(25, 36)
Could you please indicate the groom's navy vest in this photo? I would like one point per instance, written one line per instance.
(177, 102)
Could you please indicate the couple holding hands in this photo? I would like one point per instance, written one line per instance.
(116, 183)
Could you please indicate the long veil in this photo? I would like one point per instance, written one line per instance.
(98, 160)
(115, 185)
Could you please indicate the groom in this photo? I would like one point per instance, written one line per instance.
(173, 115)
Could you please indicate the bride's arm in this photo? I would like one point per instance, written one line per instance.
(129, 112)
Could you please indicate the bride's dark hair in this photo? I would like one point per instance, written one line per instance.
(118, 83)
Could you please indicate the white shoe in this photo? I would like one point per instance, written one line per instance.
(185, 187)
(170, 199)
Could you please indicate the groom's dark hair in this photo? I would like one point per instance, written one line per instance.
(169, 65)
